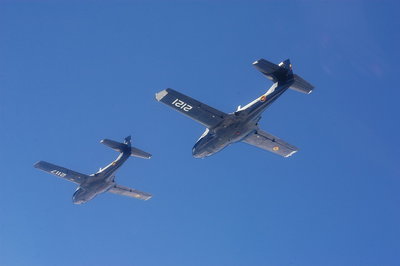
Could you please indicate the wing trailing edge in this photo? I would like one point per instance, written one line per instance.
(129, 192)
(268, 142)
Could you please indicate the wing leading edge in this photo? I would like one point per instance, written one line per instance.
(61, 172)
(200, 112)
(266, 141)
(130, 192)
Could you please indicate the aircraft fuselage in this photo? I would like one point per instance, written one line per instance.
(236, 126)
(100, 182)
(231, 130)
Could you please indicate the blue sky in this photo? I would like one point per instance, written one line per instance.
(73, 73)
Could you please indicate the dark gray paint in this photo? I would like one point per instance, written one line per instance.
(224, 129)
(104, 180)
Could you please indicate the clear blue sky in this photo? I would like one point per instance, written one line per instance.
(73, 73)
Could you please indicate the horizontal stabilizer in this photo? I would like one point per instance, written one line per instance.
(117, 146)
(267, 68)
(123, 147)
(283, 73)
(301, 85)
(139, 153)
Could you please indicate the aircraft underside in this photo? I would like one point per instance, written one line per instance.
(224, 129)
(89, 186)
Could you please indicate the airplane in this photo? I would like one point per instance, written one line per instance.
(89, 186)
(223, 129)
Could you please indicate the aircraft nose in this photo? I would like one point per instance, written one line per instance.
(78, 201)
(198, 153)
(79, 196)
(195, 152)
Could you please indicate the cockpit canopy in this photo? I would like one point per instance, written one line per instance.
(207, 133)
(204, 133)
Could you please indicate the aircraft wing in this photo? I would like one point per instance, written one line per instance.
(62, 172)
(129, 192)
(266, 141)
(190, 107)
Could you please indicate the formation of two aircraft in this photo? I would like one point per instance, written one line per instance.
(222, 129)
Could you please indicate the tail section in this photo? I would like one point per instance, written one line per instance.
(126, 148)
(128, 140)
(283, 73)
(287, 66)
(301, 85)
(117, 146)
(139, 153)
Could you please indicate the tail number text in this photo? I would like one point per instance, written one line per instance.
(182, 105)
(56, 172)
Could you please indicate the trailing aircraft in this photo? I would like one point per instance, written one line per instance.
(89, 186)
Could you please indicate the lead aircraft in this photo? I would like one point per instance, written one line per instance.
(242, 125)
(89, 186)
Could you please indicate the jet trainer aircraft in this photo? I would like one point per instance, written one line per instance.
(224, 129)
(92, 185)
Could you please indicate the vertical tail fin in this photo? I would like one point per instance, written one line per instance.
(128, 140)
(287, 66)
